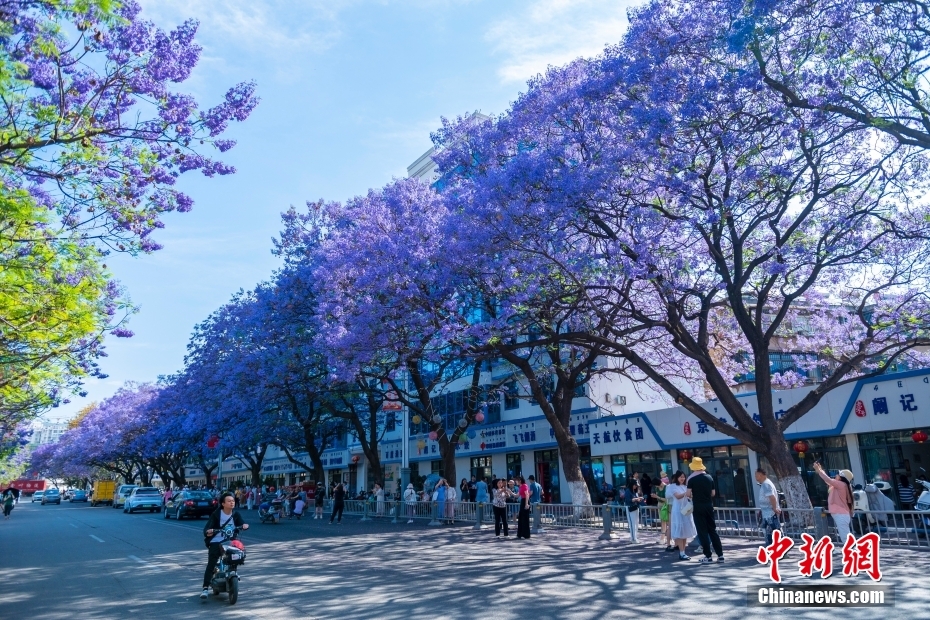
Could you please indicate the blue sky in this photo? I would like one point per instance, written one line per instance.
(351, 90)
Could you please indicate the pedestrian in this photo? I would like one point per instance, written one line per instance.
(8, 500)
(634, 479)
(481, 492)
(299, 508)
(339, 503)
(681, 526)
(238, 497)
(645, 488)
(767, 501)
(463, 489)
(523, 516)
(701, 491)
(513, 500)
(472, 490)
(249, 498)
(379, 500)
(499, 503)
(410, 499)
(535, 491)
(839, 499)
(658, 493)
(451, 497)
(439, 495)
(906, 493)
(634, 498)
(319, 497)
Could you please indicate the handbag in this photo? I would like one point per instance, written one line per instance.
(687, 507)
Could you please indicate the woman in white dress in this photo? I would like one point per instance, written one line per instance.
(681, 526)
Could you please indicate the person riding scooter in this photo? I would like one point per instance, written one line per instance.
(213, 537)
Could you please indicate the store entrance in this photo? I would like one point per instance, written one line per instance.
(729, 467)
(547, 473)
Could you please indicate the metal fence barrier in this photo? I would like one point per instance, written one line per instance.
(899, 528)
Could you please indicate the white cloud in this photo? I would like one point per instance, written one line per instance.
(263, 25)
(554, 32)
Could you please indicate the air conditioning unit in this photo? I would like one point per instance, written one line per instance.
(620, 400)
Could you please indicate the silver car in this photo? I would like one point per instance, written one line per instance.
(143, 498)
(37, 496)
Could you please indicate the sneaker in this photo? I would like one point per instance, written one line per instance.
(720, 559)
(670, 548)
(705, 560)
(682, 556)
(205, 592)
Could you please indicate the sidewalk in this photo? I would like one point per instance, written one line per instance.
(381, 570)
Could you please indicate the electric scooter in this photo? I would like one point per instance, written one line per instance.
(226, 575)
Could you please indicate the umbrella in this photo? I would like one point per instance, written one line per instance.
(15, 492)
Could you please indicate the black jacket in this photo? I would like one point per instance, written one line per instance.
(213, 523)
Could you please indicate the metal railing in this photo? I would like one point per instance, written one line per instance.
(898, 528)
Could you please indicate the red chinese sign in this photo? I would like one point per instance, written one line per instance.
(25, 485)
(859, 556)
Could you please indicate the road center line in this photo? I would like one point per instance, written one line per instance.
(95, 538)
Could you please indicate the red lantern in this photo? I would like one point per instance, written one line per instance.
(919, 436)
(800, 447)
(356, 459)
(684, 455)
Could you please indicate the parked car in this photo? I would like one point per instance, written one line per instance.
(37, 496)
(190, 504)
(52, 496)
(143, 498)
(122, 492)
(78, 496)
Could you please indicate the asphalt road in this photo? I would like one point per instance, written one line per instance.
(76, 562)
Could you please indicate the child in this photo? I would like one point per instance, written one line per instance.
(299, 508)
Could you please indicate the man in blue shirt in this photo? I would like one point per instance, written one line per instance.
(535, 491)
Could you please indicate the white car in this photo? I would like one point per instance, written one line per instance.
(122, 492)
(143, 498)
(37, 496)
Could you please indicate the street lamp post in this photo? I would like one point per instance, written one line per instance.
(405, 440)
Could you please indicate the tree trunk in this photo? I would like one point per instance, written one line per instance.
(558, 411)
(571, 472)
(207, 471)
(781, 460)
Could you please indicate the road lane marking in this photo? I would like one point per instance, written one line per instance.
(95, 538)
(139, 560)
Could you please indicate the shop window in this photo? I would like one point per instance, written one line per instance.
(514, 465)
(511, 396)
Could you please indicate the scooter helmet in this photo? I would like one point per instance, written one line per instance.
(238, 545)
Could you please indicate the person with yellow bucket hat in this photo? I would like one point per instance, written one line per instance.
(701, 491)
